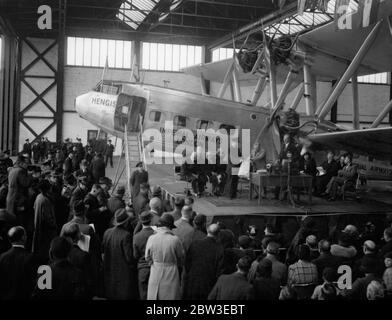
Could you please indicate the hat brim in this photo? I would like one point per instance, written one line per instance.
(116, 223)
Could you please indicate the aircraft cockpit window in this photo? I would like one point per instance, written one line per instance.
(156, 116)
(180, 121)
(124, 110)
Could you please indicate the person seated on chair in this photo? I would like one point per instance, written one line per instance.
(197, 172)
(217, 176)
(307, 165)
(330, 169)
(347, 174)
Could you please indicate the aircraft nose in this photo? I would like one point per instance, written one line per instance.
(81, 105)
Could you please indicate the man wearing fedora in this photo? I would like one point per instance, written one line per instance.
(119, 265)
(116, 201)
(165, 253)
(139, 175)
(79, 193)
(139, 250)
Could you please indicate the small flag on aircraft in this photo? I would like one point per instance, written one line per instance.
(368, 12)
(341, 7)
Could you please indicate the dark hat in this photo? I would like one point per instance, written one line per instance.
(145, 217)
(120, 190)
(121, 216)
(7, 152)
(388, 255)
(329, 274)
(244, 241)
(27, 140)
(166, 220)
(2, 155)
(78, 139)
(179, 202)
(60, 247)
(139, 164)
(200, 219)
(105, 180)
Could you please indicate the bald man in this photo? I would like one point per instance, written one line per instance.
(155, 205)
(203, 265)
(18, 268)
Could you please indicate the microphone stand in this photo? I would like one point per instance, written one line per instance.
(288, 186)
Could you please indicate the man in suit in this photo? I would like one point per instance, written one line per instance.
(18, 268)
(203, 265)
(81, 259)
(94, 212)
(325, 259)
(120, 275)
(347, 174)
(330, 167)
(139, 249)
(109, 153)
(67, 280)
(184, 228)
(138, 176)
(27, 147)
(140, 202)
(116, 201)
(178, 204)
(98, 167)
(68, 167)
(234, 286)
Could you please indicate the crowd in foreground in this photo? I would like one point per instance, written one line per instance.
(68, 215)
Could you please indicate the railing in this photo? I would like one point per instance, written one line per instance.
(127, 160)
(142, 155)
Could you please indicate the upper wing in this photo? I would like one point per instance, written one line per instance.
(331, 49)
(375, 142)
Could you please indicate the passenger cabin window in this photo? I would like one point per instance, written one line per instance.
(155, 116)
(180, 121)
(227, 127)
(203, 124)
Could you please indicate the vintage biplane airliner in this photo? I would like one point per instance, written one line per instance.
(321, 54)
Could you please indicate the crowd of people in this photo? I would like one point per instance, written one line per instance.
(65, 213)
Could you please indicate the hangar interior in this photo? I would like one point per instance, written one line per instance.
(42, 71)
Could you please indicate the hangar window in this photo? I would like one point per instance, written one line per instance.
(89, 52)
(378, 78)
(180, 121)
(169, 57)
(155, 116)
(222, 54)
